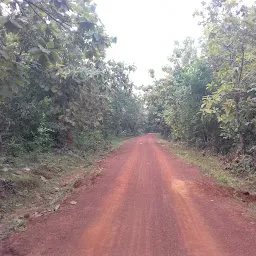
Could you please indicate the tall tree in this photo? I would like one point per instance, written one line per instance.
(230, 48)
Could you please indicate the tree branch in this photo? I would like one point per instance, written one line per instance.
(48, 13)
(242, 66)
(38, 14)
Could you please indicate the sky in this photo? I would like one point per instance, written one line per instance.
(146, 30)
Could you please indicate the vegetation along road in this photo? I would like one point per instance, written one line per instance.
(148, 202)
(67, 99)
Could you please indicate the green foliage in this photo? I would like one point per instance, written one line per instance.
(54, 76)
(174, 101)
(230, 48)
(243, 166)
(44, 138)
(90, 141)
(209, 100)
(125, 115)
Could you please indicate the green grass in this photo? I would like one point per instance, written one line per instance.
(213, 167)
(118, 142)
(208, 164)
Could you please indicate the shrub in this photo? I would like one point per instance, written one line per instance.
(90, 141)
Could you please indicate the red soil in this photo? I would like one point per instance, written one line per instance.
(147, 203)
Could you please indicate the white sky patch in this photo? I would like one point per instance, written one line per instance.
(146, 31)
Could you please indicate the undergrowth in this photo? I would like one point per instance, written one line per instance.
(31, 177)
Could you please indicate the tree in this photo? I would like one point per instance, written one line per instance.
(230, 49)
(53, 73)
(176, 98)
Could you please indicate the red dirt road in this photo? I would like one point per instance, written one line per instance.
(147, 203)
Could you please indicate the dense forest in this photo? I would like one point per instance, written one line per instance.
(56, 86)
(207, 96)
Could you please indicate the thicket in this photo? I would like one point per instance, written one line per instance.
(207, 97)
(56, 86)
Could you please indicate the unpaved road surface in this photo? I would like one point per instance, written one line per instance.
(147, 203)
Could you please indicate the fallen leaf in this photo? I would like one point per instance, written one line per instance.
(56, 208)
(37, 214)
(43, 178)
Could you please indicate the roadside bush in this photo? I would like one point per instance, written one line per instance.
(44, 138)
(244, 165)
(90, 141)
(14, 148)
(39, 141)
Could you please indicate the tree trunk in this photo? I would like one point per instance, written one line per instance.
(1, 144)
(69, 137)
(242, 147)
